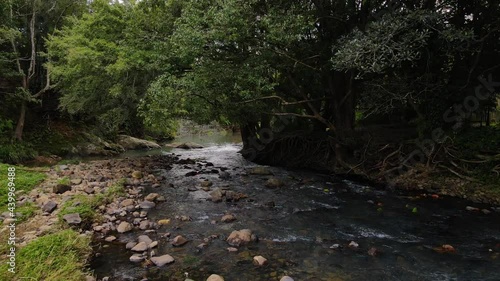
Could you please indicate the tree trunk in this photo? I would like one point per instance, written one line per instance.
(20, 123)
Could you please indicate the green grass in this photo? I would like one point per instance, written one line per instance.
(86, 205)
(64, 180)
(25, 181)
(54, 257)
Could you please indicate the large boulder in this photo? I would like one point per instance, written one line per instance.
(131, 143)
(185, 145)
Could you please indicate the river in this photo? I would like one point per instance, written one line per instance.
(305, 228)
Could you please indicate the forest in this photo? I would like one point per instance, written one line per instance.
(403, 95)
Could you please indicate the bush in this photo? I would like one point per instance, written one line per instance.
(16, 152)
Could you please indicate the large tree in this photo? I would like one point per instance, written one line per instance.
(25, 26)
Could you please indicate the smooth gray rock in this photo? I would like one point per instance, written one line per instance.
(49, 207)
(162, 260)
(72, 218)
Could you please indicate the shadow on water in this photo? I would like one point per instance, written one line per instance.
(305, 227)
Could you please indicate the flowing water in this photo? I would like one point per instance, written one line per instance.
(298, 224)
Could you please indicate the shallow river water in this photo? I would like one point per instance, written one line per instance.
(305, 227)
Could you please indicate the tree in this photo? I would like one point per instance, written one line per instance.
(27, 23)
(105, 60)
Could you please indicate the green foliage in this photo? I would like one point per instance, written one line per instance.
(54, 257)
(105, 60)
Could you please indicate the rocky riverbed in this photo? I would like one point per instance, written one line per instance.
(208, 214)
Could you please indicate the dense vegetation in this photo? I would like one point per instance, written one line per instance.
(323, 68)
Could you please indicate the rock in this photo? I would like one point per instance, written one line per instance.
(124, 227)
(140, 247)
(200, 195)
(216, 195)
(183, 218)
(137, 174)
(61, 188)
(110, 239)
(143, 225)
(471, 209)
(206, 183)
(232, 249)
(145, 239)
(373, 251)
(259, 260)
(153, 244)
(135, 258)
(262, 171)
(90, 278)
(486, 211)
(274, 183)
(49, 207)
(189, 145)
(335, 246)
(164, 222)
(127, 202)
(152, 197)
(179, 241)
(72, 218)
(147, 205)
(130, 245)
(76, 181)
(89, 190)
(228, 218)
(192, 173)
(448, 248)
(286, 278)
(224, 175)
(215, 277)
(131, 143)
(240, 237)
(162, 260)
(353, 244)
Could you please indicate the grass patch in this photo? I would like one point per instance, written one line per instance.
(54, 257)
(25, 181)
(64, 180)
(86, 205)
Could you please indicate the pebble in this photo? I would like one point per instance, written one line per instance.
(147, 205)
(136, 258)
(228, 218)
(124, 227)
(72, 218)
(286, 278)
(179, 241)
(215, 277)
(153, 244)
(162, 260)
(259, 260)
(130, 245)
(141, 247)
(110, 239)
(145, 239)
(353, 244)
